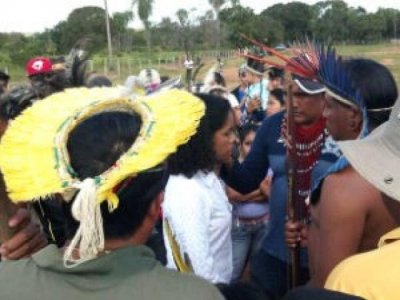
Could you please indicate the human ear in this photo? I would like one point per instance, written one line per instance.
(354, 118)
(155, 207)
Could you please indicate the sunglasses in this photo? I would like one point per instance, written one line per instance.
(242, 74)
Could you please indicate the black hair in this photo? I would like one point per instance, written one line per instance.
(98, 81)
(94, 146)
(279, 94)
(275, 72)
(4, 76)
(164, 78)
(219, 79)
(256, 65)
(15, 101)
(242, 291)
(198, 153)
(377, 86)
(245, 130)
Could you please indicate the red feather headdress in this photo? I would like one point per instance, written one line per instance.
(304, 62)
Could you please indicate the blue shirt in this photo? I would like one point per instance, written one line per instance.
(259, 89)
(268, 151)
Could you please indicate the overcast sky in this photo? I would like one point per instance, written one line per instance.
(35, 15)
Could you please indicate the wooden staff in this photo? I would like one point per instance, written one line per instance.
(292, 211)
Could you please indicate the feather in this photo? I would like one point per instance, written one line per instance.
(304, 61)
(76, 63)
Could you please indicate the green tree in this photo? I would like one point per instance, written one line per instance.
(145, 10)
(166, 34)
(295, 17)
(217, 5)
(391, 19)
(122, 36)
(332, 20)
(236, 20)
(85, 22)
(364, 27)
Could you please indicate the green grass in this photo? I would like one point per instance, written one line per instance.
(386, 54)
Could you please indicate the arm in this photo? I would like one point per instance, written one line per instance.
(235, 196)
(337, 223)
(246, 177)
(28, 238)
(295, 232)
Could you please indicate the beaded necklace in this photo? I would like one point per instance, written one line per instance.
(306, 151)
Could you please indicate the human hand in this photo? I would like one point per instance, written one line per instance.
(295, 234)
(254, 104)
(287, 138)
(265, 186)
(28, 238)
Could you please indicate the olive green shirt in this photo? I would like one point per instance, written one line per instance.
(127, 273)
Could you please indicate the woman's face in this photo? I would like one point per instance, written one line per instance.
(245, 146)
(276, 83)
(342, 121)
(223, 140)
(273, 106)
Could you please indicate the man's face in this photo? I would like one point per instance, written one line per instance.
(307, 108)
(339, 118)
(243, 77)
(251, 78)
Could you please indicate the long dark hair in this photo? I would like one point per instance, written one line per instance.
(198, 153)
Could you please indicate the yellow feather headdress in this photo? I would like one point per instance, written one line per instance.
(35, 163)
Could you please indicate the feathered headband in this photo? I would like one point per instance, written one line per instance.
(313, 61)
(35, 162)
(305, 64)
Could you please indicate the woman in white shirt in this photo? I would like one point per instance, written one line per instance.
(196, 208)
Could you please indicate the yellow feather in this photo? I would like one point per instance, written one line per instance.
(28, 158)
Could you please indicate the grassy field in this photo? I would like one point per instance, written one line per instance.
(171, 63)
(386, 54)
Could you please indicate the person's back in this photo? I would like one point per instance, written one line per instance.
(361, 213)
(127, 273)
(372, 275)
(113, 190)
(348, 213)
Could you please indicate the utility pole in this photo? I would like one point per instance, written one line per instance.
(108, 33)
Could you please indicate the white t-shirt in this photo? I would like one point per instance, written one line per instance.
(233, 101)
(200, 217)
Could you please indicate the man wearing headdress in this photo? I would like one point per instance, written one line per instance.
(353, 219)
(269, 266)
(112, 192)
(374, 275)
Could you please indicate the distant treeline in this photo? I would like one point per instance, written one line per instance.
(281, 23)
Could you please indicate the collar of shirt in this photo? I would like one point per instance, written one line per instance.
(209, 178)
(391, 236)
(101, 272)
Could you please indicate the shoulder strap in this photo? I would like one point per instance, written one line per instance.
(180, 262)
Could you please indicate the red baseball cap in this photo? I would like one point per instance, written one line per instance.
(38, 65)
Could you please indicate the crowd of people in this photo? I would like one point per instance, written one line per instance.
(148, 191)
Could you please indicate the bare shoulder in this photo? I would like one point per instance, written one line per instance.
(347, 187)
